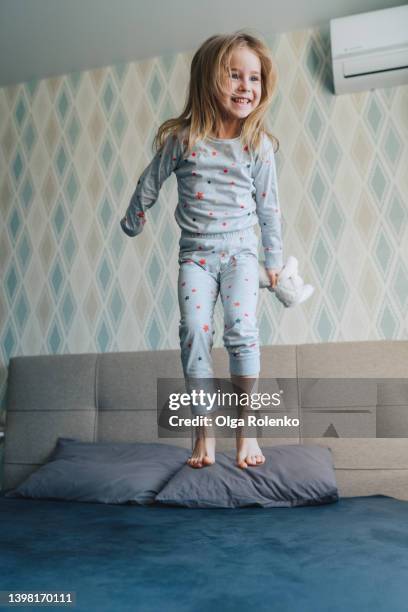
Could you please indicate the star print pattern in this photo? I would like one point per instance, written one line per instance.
(218, 178)
(231, 272)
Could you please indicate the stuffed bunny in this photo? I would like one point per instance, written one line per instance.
(290, 289)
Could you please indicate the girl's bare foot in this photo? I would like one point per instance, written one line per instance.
(249, 452)
(204, 449)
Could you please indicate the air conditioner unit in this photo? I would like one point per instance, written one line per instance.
(370, 50)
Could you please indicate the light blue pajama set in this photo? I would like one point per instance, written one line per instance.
(224, 190)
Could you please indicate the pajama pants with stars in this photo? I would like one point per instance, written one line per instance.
(213, 264)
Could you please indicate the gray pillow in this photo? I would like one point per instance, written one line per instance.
(105, 472)
(293, 475)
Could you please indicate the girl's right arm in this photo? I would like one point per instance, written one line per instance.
(149, 184)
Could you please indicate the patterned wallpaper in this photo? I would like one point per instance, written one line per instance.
(72, 149)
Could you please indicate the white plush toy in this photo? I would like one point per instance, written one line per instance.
(290, 289)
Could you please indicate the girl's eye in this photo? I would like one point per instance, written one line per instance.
(234, 75)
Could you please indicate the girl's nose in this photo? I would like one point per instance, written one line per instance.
(244, 85)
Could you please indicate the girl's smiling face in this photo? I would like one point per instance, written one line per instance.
(243, 90)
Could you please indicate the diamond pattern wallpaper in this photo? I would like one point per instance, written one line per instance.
(72, 149)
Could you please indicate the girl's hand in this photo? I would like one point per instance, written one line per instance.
(273, 275)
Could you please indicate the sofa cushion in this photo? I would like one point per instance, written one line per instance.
(293, 475)
(106, 472)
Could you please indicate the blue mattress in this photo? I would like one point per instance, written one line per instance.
(352, 555)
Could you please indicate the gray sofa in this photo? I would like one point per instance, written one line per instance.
(112, 396)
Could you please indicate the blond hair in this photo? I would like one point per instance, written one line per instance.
(210, 68)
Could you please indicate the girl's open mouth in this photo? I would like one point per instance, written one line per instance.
(241, 101)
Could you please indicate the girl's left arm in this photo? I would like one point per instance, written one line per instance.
(268, 207)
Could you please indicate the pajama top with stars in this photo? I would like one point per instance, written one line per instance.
(222, 187)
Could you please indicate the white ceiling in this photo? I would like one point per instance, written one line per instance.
(43, 38)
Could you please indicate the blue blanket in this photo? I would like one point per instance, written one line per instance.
(348, 556)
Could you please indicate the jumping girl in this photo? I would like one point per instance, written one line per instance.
(223, 158)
